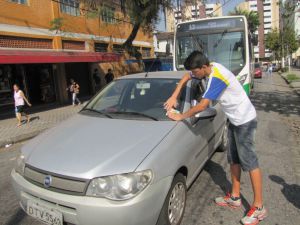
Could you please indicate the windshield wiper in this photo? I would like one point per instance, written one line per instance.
(135, 114)
(96, 111)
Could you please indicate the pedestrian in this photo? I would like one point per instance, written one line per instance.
(74, 90)
(97, 80)
(20, 100)
(109, 77)
(224, 87)
(270, 69)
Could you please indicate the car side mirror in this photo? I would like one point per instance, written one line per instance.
(208, 113)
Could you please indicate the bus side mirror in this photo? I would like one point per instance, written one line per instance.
(254, 39)
(168, 51)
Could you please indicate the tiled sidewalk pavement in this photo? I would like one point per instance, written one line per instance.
(10, 133)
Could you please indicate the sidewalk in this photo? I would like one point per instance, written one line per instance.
(293, 81)
(10, 133)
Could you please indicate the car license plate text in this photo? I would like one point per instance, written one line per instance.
(48, 216)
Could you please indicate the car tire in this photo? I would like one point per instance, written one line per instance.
(225, 142)
(174, 206)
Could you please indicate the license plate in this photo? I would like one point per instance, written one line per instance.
(48, 216)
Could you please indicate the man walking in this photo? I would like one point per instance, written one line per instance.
(224, 87)
(74, 90)
(109, 77)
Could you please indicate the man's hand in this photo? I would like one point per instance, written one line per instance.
(174, 116)
(170, 103)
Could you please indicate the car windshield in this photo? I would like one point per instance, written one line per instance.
(257, 65)
(141, 99)
(226, 48)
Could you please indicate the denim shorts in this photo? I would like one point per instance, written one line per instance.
(242, 145)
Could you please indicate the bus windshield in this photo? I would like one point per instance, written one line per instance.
(226, 48)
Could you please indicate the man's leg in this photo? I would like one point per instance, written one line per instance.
(256, 181)
(236, 179)
(73, 98)
(232, 199)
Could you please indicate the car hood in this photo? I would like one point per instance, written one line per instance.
(87, 147)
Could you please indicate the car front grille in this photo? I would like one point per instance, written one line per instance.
(59, 183)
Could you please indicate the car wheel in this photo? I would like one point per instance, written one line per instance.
(174, 205)
(225, 142)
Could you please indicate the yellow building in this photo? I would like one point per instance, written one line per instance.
(44, 43)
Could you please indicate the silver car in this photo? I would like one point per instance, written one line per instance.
(120, 160)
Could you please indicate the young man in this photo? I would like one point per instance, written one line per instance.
(224, 87)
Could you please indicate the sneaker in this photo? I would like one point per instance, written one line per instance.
(254, 216)
(228, 200)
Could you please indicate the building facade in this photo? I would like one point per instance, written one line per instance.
(268, 11)
(190, 10)
(294, 22)
(44, 43)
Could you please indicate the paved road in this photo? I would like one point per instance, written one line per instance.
(278, 141)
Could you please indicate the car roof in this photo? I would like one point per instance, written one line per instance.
(159, 74)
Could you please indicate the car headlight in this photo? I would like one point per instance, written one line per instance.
(120, 187)
(20, 164)
(242, 78)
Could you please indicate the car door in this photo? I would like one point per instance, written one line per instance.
(198, 133)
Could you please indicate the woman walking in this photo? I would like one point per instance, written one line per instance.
(20, 100)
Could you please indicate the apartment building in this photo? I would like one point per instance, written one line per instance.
(190, 10)
(294, 22)
(44, 43)
(268, 11)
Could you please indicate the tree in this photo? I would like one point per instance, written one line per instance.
(142, 13)
(252, 18)
(282, 43)
(273, 42)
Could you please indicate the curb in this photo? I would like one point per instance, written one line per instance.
(296, 90)
(20, 138)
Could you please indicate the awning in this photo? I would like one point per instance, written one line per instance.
(22, 56)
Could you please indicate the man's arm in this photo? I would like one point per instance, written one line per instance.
(204, 103)
(171, 102)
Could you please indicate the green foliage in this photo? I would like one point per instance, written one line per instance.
(292, 77)
(56, 24)
(252, 18)
(273, 42)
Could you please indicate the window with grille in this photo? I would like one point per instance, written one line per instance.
(146, 52)
(118, 49)
(24, 2)
(108, 14)
(70, 7)
(101, 47)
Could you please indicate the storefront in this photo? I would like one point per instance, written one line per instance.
(44, 76)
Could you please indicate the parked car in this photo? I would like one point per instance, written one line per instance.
(257, 71)
(120, 160)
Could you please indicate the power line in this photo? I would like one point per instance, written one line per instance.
(219, 7)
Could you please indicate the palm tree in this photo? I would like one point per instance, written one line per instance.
(252, 18)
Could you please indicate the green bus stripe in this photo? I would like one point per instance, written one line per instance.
(247, 88)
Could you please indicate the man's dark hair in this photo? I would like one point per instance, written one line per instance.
(196, 60)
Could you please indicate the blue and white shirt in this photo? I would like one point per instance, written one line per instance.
(224, 87)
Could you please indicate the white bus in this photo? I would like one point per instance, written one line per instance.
(223, 39)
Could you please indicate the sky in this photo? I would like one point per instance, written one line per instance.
(226, 8)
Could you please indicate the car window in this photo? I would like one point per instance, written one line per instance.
(198, 88)
(133, 98)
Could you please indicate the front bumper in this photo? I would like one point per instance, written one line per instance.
(144, 209)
